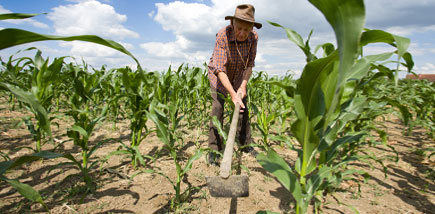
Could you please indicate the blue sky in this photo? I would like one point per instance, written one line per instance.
(163, 33)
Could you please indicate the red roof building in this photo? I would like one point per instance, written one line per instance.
(430, 77)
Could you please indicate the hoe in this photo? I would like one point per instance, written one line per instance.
(225, 185)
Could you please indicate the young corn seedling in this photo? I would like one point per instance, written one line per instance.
(42, 75)
(86, 114)
(264, 122)
(37, 94)
(139, 95)
(167, 127)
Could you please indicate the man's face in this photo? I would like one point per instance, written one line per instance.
(242, 29)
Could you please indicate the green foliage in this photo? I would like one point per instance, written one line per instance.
(86, 113)
(35, 91)
(327, 101)
(11, 37)
(167, 128)
(137, 91)
(327, 116)
(24, 189)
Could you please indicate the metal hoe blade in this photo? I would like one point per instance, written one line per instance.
(233, 186)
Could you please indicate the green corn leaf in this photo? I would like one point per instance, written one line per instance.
(196, 156)
(362, 66)
(352, 109)
(80, 130)
(266, 212)
(291, 34)
(18, 15)
(161, 128)
(94, 148)
(54, 70)
(406, 115)
(379, 36)
(29, 98)
(310, 106)
(25, 159)
(338, 143)
(328, 48)
(74, 161)
(39, 62)
(409, 61)
(25, 190)
(218, 126)
(118, 152)
(297, 39)
(376, 36)
(11, 37)
(138, 155)
(316, 180)
(402, 44)
(347, 18)
(274, 164)
(100, 117)
(289, 90)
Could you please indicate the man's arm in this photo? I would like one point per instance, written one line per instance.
(226, 83)
(246, 77)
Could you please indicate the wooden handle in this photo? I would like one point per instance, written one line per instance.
(229, 147)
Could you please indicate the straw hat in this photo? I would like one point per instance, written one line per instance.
(245, 12)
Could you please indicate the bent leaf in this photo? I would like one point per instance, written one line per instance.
(12, 37)
(274, 164)
(6, 16)
(25, 190)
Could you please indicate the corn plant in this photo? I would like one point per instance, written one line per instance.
(167, 128)
(12, 37)
(326, 101)
(418, 97)
(12, 74)
(264, 122)
(139, 96)
(112, 87)
(37, 94)
(43, 75)
(86, 114)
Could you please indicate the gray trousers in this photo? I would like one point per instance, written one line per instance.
(243, 127)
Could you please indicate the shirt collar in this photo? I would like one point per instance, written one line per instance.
(232, 38)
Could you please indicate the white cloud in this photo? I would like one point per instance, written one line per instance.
(29, 21)
(169, 49)
(78, 48)
(427, 68)
(151, 14)
(409, 30)
(195, 25)
(182, 18)
(90, 17)
(96, 18)
(386, 13)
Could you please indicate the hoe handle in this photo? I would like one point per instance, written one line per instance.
(229, 147)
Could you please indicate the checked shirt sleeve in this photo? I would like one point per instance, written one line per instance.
(253, 51)
(220, 57)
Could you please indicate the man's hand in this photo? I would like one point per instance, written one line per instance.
(236, 98)
(242, 91)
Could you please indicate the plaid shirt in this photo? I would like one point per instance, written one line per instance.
(226, 58)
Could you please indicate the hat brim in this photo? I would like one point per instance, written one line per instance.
(256, 24)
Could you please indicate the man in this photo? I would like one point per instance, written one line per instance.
(229, 71)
